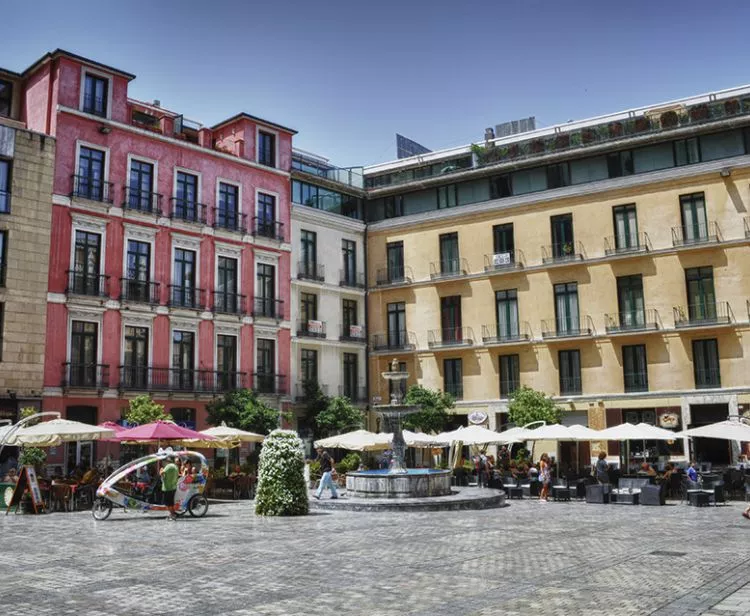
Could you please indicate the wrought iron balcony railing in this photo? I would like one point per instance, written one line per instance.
(225, 302)
(635, 382)
(357, 395)
(510, 333)
(83, 283)
(394, 275)
(269, 383)
(355, 280)
(149, 378)
(353, 333)
(701, 233)
(85, 187)
(562, 252)
(450, 337)
(230, 220)
(139, 200)
(311, 329)
(188, 210)
(308, 270)
(703, 314)
(394, 341)
(633, 320)
(85, 376)
(270, 229)
(498, 261)
(141, 291)
(567, 327)
(268, 307)
(626, 244)
(449, 268)
(707, 378)
(745, 223)
(186, 297)
(570, 386)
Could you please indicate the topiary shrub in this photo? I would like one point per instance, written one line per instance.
(281, 480)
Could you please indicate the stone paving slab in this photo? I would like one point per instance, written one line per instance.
(565, 559)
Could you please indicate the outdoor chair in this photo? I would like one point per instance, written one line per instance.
(61, 497)
(597, 493)
(674, 488)
(653, 495)
(533, 488)
(242, 486)
(561, 491)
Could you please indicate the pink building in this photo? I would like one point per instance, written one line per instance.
(170, 256)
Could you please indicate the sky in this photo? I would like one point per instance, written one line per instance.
(350, 75)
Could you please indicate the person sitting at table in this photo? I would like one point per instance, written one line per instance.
(533, 473)
(76, 473)
(11, 476)
(647, 469)
(692, 472)
(143, 476)
(187, 469)
(236, 472)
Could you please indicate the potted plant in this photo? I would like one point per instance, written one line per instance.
(588, 135)
(699, 113)
(32, 456)
(513, 151)
(562, 141)
(615, 129)
(669, 119)
(567, 248)
(641, 124)
(732, 106)
(536, 146)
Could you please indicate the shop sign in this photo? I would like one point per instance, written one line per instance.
(669, 420)
(477, 417)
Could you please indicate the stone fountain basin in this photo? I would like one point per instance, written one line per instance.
(415, 483)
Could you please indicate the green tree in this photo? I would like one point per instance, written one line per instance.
(143, 410)
(315, 403)
(281, 479)
(528, 405)
(31, 456)
(338, 416)
(433, 405)
(242, 409)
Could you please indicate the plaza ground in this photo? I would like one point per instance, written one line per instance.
(527, 558)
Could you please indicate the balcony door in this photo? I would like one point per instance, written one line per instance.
(351, 377)
(309, 244)
(87, 261)
(183, 281)
(183, 360)
(506, 303)
(566, 308)
(700, 293)
(348, 315)
(396, 324)
(706, 363)
(227, 214)
(226, 362)
(90, 174)
(349, 257)
(308, 303)
(135, 366)
(266, 215)
(453, 380)
(265, 366)
(84, 344)
(630, 301)
(449, 257)
(309, 366)
(138, 271)
(266, 289)
(226, 299)
(626, 227)
(395, 263)
(693, 213)
(450, 319)
(141, 186)
(187, 196)
(562, 236)
(503, 242)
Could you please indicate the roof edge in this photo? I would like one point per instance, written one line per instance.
(62, 52)
(248, 116)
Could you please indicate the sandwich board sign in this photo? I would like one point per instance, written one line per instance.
(27, 482)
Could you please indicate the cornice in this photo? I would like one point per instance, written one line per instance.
(305, 213)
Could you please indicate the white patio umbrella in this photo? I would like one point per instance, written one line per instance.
(475, 435)
(226, 433)
(425, 441)
(559, 432)
(516, 435)
(359, 440)
(641, 432)
(725, 430)
(52, 433)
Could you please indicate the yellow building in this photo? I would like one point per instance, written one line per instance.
(604, 262)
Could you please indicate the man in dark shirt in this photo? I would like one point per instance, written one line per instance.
(327, 468)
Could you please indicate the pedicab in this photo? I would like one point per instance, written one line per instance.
(122, 488)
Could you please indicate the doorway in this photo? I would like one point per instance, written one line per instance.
(80, 452)
(715, 451)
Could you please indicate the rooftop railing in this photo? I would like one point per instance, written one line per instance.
(352, 176)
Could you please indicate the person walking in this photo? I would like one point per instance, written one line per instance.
(544, 477)
(327, 469)
(602, 468)
(170, 475)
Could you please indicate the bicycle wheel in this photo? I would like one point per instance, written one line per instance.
(101, 509)
(198, 506)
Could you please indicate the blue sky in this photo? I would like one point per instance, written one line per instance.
(349, 75)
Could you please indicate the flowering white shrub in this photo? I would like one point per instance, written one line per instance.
(281, 481)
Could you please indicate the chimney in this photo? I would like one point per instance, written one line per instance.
(157, 103)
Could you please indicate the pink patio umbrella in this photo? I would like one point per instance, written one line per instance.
(161, 431)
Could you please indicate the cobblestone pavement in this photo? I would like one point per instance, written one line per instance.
(528, 558)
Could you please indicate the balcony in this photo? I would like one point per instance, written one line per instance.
(307, 270)
(82, 283)
(186, 297)
(268, 308)
(148, 378)
(506, 335)
(449, 337)
(626, 244)
(449, 268)
(394, 341)
(144, 201)
(351, 176)
(301, 390)
(85, 187)
(186, 210)
(570, 386)
(353, 280)
(500, 261)
(707, 378)
(311, 329)
(269, 229)
(269, 383)
(85, 376)
(704, 314)
(394, 276)
(229, 220)
(353, 333)
(140, 291)
(456, 390)
(690, 235)
(228, 303)
(567, 327)
(632, 321)
(563, 252)
(357, 395)
(635, 382)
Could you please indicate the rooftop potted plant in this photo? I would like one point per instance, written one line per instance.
(588, 135)
(732, 106)
(699, 113)
(669, 119)
(641, 124)
(536, 146)
(615, 129)
(562, 141)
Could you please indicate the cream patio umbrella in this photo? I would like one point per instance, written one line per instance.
(475, 435)
(52, 433)
(359, 440)
(725, 430)
(640, 432)
(225, 433)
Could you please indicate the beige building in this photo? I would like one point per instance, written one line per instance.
(26, 169)
(604, 262)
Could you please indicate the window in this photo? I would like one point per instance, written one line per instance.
(453, 378)
(309, 262)
(3, 257)
(721, 145)
(687, 151)
(500, 187)
(626, 227)
(394, 206)
(587, 170)
(693, 213)
(186, 201)
(308, 304)
(706, 363)
(563, 245)
(450, 319)
(503, 242)
(266, 149)
(266, 224)
(84, 344)
(227, 214)
(349, 257)
(265, 290)
(635, 368)
(226, 298)
(350, 376)
(2, 328)
(184, 291)
(348, 315)
(620, 164)
(447, 196)
(6, 98)
(700, 293)
(510, 377)
(265, 366)
(136, 286)
(653, 157)
(630, 301)
(558, 175)
(570, 372)
(397, 325)
(566, 308)
(135, 367)
(309, 366)
(226, 362)
(141, 186)
(529, 180)
(506, 303)
(398, 387)
(183, 359)
(95, 95)
(184, 417)
(450, 263)
(87, 252)
(395, 252)
(89, 183)
(4, 186)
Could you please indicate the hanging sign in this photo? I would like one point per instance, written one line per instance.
(669, 420)
(477, 417)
